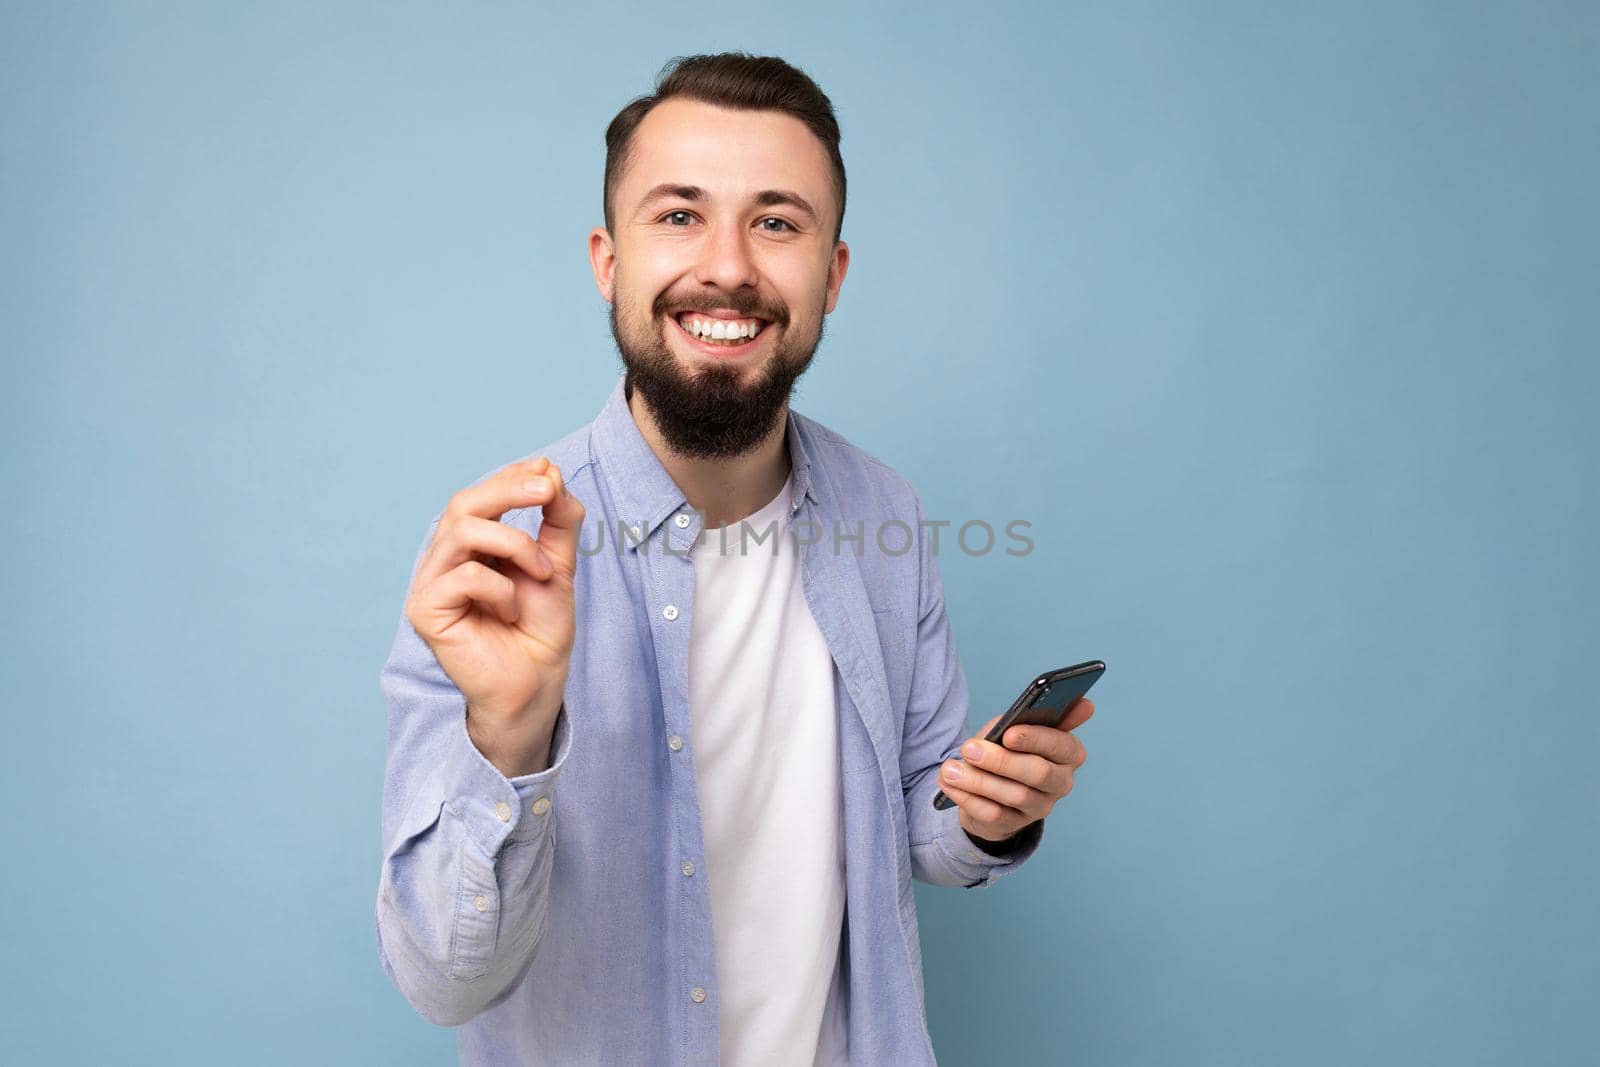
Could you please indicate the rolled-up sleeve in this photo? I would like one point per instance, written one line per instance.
(935, 727)
(466, 852)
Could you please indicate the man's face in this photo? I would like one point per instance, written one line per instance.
(725, 217)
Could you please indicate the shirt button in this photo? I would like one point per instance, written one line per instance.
(540, 806)
(502, 811)
(480, 902)
(669, 612)
(674, 742)
(697, 995)
(681, 521)
(688, 869)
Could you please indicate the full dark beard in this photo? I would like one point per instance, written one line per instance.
(710, 414)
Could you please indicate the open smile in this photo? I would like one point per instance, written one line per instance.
(719, 333)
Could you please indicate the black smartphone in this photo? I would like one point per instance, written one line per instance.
(1045, 702)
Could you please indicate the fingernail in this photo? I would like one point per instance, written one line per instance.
(536, 485)
(973, 751)
(952, 772)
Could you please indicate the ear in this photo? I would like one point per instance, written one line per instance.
(603, 260)
(837, 266)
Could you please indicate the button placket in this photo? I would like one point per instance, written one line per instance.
(669, 575)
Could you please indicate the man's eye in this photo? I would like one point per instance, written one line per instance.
(782, 223)
(675, 214)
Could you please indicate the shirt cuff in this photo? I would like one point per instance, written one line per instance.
(964, 854)
(494, 808)
(1003, 849)
(536, 792)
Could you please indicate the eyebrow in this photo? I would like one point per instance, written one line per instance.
(765, 198)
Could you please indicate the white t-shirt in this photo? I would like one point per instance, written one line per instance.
(766, 757)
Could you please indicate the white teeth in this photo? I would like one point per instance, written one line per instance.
(721, 329)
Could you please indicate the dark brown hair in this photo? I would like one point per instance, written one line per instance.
(733, 80)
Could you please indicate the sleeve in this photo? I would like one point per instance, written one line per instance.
(935, 727)
(463, 888)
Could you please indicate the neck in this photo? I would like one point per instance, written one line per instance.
(722, 490)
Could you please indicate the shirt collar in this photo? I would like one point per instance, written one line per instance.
(643, 490)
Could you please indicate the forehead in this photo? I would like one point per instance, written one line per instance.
(731, 154)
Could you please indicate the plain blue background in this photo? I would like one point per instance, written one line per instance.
(1276, 322)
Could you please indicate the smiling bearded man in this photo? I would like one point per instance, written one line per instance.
(591, 754)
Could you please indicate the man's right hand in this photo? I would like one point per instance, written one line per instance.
(496, 606)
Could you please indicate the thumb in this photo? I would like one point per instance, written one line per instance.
(561, 519)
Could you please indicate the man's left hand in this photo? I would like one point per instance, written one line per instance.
(1002, 789)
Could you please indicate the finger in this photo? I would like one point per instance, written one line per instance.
(515, 485)
(562, 518)
(1061, 754)
(1006, 791)
(489, 499)
(982, 809)
(446, 600)
(1057, 746)
(468, 537)
(1025, 767)
(1077, 715)
(518, 485)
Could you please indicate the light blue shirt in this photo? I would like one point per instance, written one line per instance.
(564, 917)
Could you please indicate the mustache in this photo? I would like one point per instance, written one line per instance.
(748, 304)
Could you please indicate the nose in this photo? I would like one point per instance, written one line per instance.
(725, 259)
